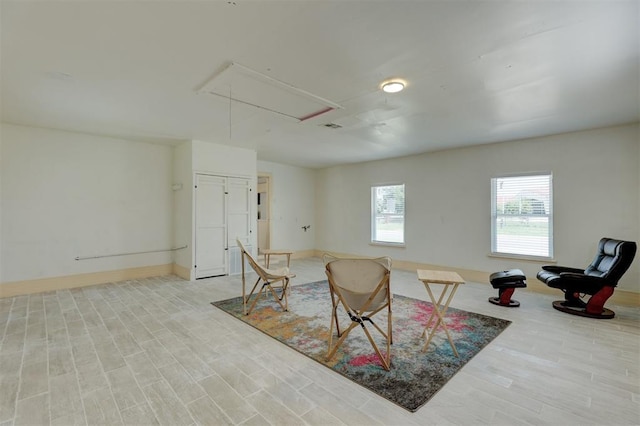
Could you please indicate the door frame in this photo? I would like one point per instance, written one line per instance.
(269, 183)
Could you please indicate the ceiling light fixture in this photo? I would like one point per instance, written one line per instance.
(392, 86)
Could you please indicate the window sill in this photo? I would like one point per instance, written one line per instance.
(384, 244)
(538, 259)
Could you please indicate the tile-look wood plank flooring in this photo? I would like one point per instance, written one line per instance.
(154, 351)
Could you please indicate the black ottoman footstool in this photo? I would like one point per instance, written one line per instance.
(506, 282)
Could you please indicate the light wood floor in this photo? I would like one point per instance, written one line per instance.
(155, 351)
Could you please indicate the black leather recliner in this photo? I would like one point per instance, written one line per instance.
(598, 280)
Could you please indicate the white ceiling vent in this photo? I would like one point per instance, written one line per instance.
(242, 84)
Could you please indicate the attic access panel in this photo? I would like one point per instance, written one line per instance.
(242, 84)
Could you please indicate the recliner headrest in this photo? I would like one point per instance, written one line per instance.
(610, 247)
(612, 260)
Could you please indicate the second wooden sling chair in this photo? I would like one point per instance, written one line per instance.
(362, 288)
(274, 281)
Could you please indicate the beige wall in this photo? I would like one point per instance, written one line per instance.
(210, 157)
(65, 194)
(292, 205)
(183, 205)
(68, 194)
(595, 178)
(1, 137)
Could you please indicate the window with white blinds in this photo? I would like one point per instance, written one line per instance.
(387, 214)
(522, 215)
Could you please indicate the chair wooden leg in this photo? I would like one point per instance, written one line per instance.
(385, 362)
(334, 349)
(389, 326)
(335, 313)
(380, 330)
(282, 300)
(246, 299)
(330, 338)
(278, 299)
(333, 320)
(388, 336)
(255, 299)
(285, 294)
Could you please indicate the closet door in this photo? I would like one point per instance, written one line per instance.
(210, 226)
(239, 220)
(238, 211)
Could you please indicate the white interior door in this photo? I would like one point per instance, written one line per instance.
(239, 210)
(239, 220)
(211, 226)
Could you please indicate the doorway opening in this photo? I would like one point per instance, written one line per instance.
(264, 211)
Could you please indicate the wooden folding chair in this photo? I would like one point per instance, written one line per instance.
(274, 281)
(362, 287)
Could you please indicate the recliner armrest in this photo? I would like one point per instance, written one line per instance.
(562, 269)
(584, 279)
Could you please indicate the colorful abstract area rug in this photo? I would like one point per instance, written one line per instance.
(415, 375)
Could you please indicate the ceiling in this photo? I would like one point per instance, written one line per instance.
(476, 72)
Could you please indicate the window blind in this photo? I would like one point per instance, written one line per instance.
(521, 214)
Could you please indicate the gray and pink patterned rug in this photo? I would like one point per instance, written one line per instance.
(415, 375)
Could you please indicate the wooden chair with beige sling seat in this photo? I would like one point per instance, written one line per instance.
(274, 281)
(362, 288)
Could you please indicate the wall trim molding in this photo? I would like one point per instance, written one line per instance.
(40, 285)
(18, 288)
(619, 297)
(304, 253)
(182, 272)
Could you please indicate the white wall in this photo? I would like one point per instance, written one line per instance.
(1, 137)
(595, 178)
(223, 160)
(183, 204)
(292, 206)
(68, 194)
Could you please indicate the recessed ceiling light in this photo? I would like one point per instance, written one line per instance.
(393, 86)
